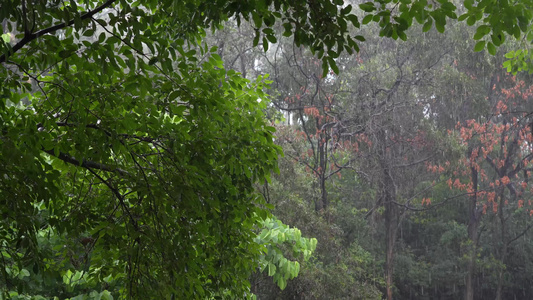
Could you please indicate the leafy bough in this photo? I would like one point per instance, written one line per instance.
(277, 236)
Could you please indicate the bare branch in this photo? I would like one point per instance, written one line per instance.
(520, 235)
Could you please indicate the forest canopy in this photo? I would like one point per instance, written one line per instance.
(131, 155)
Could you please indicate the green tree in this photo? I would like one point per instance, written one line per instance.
(113, 131)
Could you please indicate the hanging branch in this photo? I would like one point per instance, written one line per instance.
(87, 163)
(29, 36)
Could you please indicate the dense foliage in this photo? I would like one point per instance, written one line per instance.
(127, 161)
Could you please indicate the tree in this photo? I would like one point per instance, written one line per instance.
(342, 265)
(307, 100)
(498, 159)
(115, 134)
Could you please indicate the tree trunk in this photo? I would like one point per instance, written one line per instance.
(503, 254)
(318, 200)
(500, 274)
(322, 162)
(391, 224)
(473, 225)
(471, 267)
(323, 193)
(388, 199)
(391, 238)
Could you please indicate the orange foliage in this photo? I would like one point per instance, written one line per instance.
(505, 180)
(311, 111)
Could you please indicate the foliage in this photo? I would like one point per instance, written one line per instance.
(499, 152)
(274, 236)
(342, 266)
(74, 283)
(113, 132)
(493, 176)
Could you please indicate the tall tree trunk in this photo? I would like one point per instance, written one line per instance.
(473, 236)
(500, 274)
(391, 226)
(388, 198)
(323, 192)
(391, 238)
(318, 200)
(504, 247)
(471, 267)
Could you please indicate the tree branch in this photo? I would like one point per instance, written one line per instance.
(24, 16)
(28, 37)
(520, 235)
(87, 163)
(119, 196)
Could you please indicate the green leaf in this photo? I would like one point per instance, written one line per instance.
(6, 37)
(367, 7)
(282, 283)
(271, 269)
(496, 39)
(106, 295)
(256, 39)
(333, 65)
(88, 32)
(491, 48)
(354, 20)
(510, 54)
(427, 25)
(346, 10)
(265, 44)
(463, 17)
(471, 20)
(481, 32)
(507, 65)
(258, 21)
(402, 36)
(272, 39)
(65, 53)
(479, 46)
(24, 273)
(440, 24)
(367, 19)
